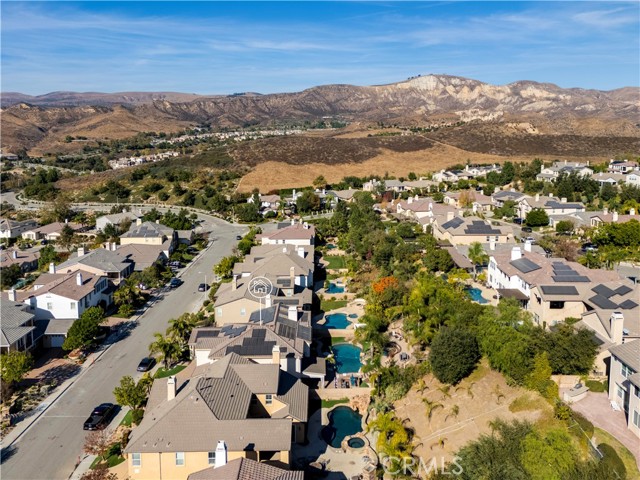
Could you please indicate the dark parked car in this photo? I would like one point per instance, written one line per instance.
(175, 282)
(146, 364)
(100, 417)
(238, 237)
(203, 287)
(527, 229)
(517, 220)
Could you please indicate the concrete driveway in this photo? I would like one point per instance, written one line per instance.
(51, 447)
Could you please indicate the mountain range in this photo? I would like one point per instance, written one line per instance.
(40, 123)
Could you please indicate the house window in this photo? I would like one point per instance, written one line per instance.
(556, 305)
(636, 418)
(269, 399)
(136, 461)
(212, 458)
(179, 459)
(637, 391)
(620, 392)
(73, 305)
(626, 371)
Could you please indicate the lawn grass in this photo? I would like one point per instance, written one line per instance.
(332, 276)
(527, 402)
(328, 305)
(332, 403)
(335, 261)
(114, 457)
(162, 373)
(479, 373)
(623, 452)
(126, 421)
(336, 340)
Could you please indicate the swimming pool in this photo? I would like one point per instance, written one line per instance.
(343, 421)
(476, 295)
(333, 288)
(347, 357)
(336, 320)
(331, 246)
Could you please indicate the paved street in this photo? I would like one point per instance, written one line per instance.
(51, 447)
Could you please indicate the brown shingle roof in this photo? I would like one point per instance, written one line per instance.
(246, 469)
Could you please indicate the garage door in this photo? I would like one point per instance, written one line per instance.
(55, 340)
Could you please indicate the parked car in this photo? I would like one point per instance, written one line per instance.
(203, 287)
(100, 416)
(238, 237)
(146, 364)
(175, 264)
(517, 220)
(175, 282)
(527, 229)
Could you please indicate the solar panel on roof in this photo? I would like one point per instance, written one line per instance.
(259, 333)
(571, 279)
(564, 273)
(559, 290)
(623, 290)
(560, 266)
(525, 265)
(603, 290)
(456, 222)
(208, 334)
(628, 305)
(286, 331)
(603, 302)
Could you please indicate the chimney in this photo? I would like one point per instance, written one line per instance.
(410, 200)
(293, 222)
(492, 245)
(221, 455)
(284, 249)
(66, 220)
(158, 222)
(267, 301)
(292, 314)
(80, 252)
(512, 189)
(615, 216)
(606, 210)
(14, 254)
(616, 327)
(450, 216)
(12, 295)
(527, 246)
(52, 267)
(171, 387)
(565, 162)
(461, 213)
(516, 253)
(563, 200)
(537, 197)
(430, 206)
(138, 221)
(292, 276)
(234, 282)
(124, 210)
(632, 211)
(324, 191)
(275, 355)
(301, 252)
(78, 278)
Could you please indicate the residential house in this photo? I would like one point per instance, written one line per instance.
(14, 229)
(610, 178)
(17, 329)
(28, 261)
(116, 219)
(499, 198)
(421, 184)
(343, 195)
(62, 298)
(622, 166)
(234, 302)
(550, 174)
(233, 408)
(624, 382)
(477, 201)
(459, 230)
(633, 178)
(102, 262)
(285, 265)
(600, 218)
(141, 256)
(149, 233)
(267, 202)
(294, 234)
(244, 469)
(550, 204)
(50, 232)
(279, 334)
(185, 237)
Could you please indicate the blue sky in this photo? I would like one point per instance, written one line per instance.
(221, 48)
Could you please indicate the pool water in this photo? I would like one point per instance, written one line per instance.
(333, 288)
(331, 246)
(347, 358)
(356, 442)
(336, 320)
(476, 295)
(343, 421)
(353, 315)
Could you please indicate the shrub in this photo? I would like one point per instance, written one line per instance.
(595, 386)
(136, 415)
(612, 460)
(585, 424)
(454, 354)
(125, 310)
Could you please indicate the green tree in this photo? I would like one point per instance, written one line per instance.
(454, 354)
(537, 218)
(129, 394)
(10, 275)
(168, 349)
(84, 329)
(477, 255)
(308, 202)
(539, 379)
(48, 255)
(224, 268)
(549, 457)
(66, 237)
(320, 182)
(180, 328)
(14, 366)
(565, 226)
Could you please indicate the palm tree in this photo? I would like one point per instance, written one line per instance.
(477, 255)
(431, 407)
(167, 348)
(497, 391)
(445, 391)
(127, 294)
(469, 389)
(180, 328)
(421, 386)
(453, 412)
(440, 443)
